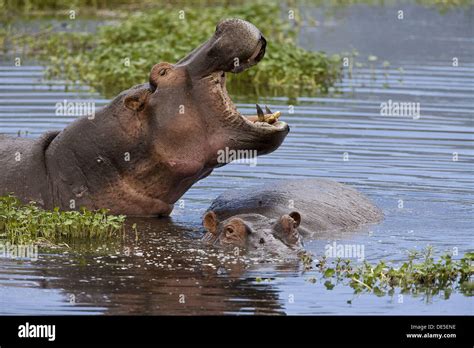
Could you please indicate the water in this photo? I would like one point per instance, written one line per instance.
(393, 159)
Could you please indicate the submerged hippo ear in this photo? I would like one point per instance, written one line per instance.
(290, 221)
(136, 99)
(210, 222)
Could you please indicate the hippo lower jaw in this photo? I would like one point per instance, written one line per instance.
(253, 121)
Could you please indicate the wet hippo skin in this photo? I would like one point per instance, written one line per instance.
(277, 216)
(145, 149)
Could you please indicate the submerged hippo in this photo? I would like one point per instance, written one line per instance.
(277, 216)
(255, 232)
(144, 150)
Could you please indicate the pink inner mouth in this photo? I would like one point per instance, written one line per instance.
(267, 121)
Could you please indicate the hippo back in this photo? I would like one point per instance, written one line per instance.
(22, 167)
(325, 205)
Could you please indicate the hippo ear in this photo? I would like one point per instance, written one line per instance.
(295, 216)
(136, 100)
(210, 222)
(159, 71)
(290, 221)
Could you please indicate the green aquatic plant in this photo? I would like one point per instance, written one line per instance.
(121, 55)
(27, 223)
(420, 273)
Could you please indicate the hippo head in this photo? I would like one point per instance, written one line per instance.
(180, 123)
(189, 101)
(254, 232)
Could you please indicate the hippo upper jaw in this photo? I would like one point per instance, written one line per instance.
(235, 46)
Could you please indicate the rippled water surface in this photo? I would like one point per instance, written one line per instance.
(342, 137)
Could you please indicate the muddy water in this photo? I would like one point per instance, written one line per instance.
(419, 170)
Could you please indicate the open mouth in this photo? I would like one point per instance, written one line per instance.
(209, 64)
(264, 120)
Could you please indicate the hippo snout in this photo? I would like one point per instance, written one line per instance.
(242, 43)
(235, 46)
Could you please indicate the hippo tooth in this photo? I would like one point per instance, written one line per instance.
(261, 116)
(274, 117)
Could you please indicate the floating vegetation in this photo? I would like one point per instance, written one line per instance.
(27, 223)
(121, 55)
(421, 273)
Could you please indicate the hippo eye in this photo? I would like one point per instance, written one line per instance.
(229, 230)
(262, 241)
(163, 72)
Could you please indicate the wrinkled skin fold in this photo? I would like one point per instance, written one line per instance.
(145, 149)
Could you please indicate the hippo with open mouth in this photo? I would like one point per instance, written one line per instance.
(145, 149)
(276, 217)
